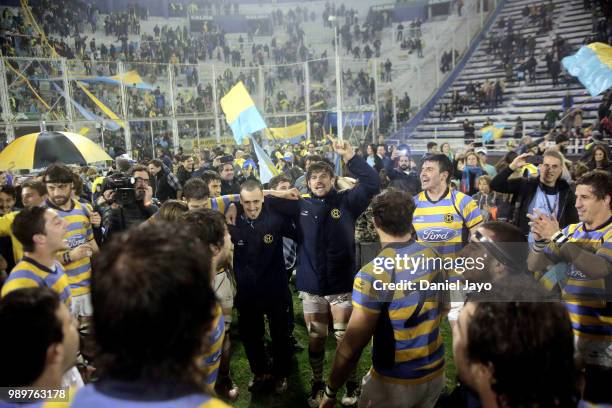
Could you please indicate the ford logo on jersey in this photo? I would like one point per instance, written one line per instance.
(440, 234)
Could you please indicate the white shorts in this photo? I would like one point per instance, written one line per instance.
(224, 289)
(81, 306)
(321, 304)
(377, 393)
(594, 352)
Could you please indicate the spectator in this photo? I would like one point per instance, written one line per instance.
(600, 159)
(486, 199)
(165, 184)
(185, 170)
(229, 183)
(446, 149)
(8, 198)
(470, 172)
(404, 178)
(548, 193)
(482, 155)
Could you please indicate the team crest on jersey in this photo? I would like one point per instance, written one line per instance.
(448, 218)
(335, 213)
(268, 238)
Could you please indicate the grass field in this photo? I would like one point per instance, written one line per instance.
(299, 381)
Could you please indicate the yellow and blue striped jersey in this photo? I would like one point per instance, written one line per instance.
(212, 358)
(440, 224)
(222, 203)
(30, 274)
(6, 223)
(414, 314)
(91, 396)
(587, 299)
(79, 231)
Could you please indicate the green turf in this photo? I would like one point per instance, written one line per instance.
(299, 381)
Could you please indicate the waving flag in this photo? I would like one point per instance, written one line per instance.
(240, 112)
(592, 65)
(492, 132)
(291, 134)
(267, 169)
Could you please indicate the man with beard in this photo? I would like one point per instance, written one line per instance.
(79, 236)
(549, 194)
(403, 178)
(120, 217)
(326, 261)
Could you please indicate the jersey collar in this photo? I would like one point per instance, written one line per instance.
(441, 197)
(38, 265)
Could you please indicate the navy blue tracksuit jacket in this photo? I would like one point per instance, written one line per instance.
(326, 262)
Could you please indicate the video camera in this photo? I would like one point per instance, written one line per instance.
(123, 188)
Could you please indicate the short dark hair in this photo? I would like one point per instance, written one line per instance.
(392, 212)
(601, 183)
(529, 345)
(156, 163)
(29, 322)
(251, 185)
(207, 225)
(196, 188)
(153, 304)
(276, 180)
(9, 190)
(210, 175)
(313, 158)
(138, 167)
(57, 173)
(35, 185)
(27, 223)
(431, 144)
(444, 163)
(222, 165)
(319, 167)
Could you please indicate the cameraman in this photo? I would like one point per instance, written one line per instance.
(119, 217)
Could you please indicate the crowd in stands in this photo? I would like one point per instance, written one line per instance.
(72, 236)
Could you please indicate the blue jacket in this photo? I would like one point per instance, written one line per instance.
(326, 262)
(259, 264)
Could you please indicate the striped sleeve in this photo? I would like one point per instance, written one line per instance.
(19, 279)
(470, 212)
(605, 251)
(364, 295)
(368, 286)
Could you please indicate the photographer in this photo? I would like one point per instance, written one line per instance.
(128, 206)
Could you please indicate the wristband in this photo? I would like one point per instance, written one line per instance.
(330, 393)
(559, 238)
(539, 246)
